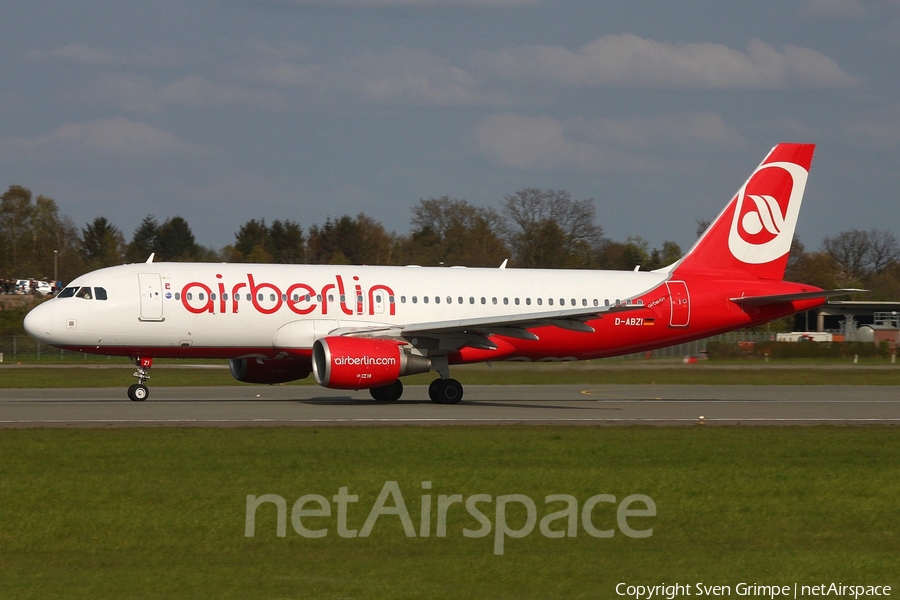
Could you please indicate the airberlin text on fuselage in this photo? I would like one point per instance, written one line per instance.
(301, 298)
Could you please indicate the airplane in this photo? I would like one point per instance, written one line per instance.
(365, 327)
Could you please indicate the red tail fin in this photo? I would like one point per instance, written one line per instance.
(754, 232)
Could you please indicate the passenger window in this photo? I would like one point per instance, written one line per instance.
(437, 299)
(550, 301)
(460, 299)
(506, 301)
(425, 299)
(517, 301)
(493, 301)
(212, 296)
(402, 299)
(483, 300)
(414, 299)
(99, 293)
(471, 300)
(540, 301)
(528, 301)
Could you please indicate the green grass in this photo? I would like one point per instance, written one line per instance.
(133, 513)
(117, 374)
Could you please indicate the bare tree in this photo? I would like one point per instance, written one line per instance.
(546, 228)
(860, 254)
(453, 232)
(883, 249)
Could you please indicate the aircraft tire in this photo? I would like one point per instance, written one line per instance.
(433, 392)
(387, 393)
(450, 391)
(138, 392)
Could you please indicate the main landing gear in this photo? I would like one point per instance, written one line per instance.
(445, 391)
(387, 393)
(138, 392)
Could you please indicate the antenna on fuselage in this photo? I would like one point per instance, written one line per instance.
(150, 260)
(505, 260)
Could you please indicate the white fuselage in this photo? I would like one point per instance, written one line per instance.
(228, 310)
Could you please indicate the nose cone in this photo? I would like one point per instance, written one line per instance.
(37, 322)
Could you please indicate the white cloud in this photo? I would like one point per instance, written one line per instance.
(119, 136)
(338, 4)
(681, 129)
(410, 76)
(404, 76)
(545, 143)
(141, 94)
(627, 60)
(836, 9)
(522, 142)
(78, 53)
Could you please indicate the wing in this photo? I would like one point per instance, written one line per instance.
(458, 333)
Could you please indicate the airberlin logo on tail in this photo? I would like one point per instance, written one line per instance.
(766, 212)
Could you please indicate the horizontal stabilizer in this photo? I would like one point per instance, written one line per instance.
(779, 298)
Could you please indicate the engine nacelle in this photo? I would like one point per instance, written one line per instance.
(258, 370)
(358, 363)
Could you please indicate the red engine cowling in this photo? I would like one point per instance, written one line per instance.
(358, 363)
(257, 370)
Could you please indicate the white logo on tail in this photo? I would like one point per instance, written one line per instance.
(765, 213)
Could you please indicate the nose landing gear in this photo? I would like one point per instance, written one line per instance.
(138, 392)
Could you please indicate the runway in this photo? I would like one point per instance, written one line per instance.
(241, 406)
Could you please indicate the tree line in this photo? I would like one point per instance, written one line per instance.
(533, 228)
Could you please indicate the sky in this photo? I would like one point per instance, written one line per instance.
(222, 111)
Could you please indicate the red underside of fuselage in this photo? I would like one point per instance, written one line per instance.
(629, 332)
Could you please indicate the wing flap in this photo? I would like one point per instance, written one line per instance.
(573, 318)
(780, 298)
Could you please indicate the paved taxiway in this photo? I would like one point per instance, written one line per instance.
(526, 404)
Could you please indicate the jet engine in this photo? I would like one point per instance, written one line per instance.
(359, 363)
(258, 370)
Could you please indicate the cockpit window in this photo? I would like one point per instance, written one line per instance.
(67, 292)
(100, 293)
(85, 293)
